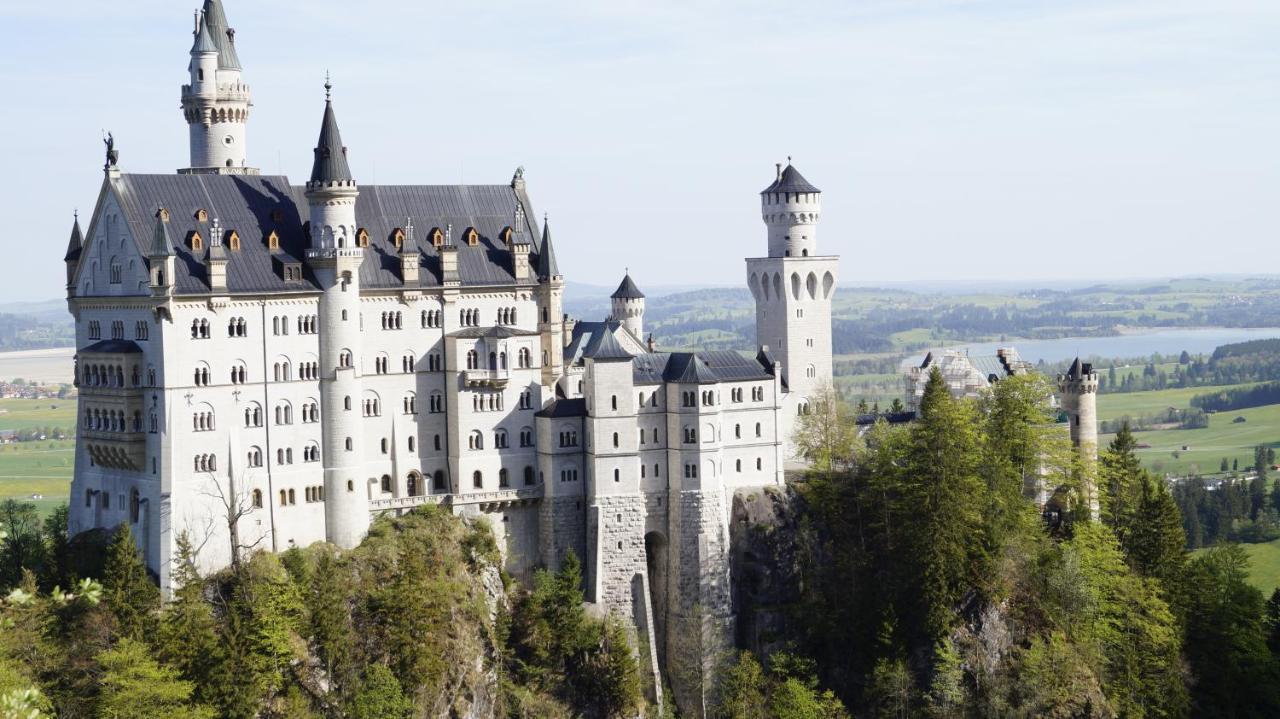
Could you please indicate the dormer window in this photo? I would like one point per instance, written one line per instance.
(196, 242)
(398, 237)
(201, 215)
(273, 241)
(233, 241)
(163, 214)
(437, 237)
(362, 237)
(473, 237)
(505, 235)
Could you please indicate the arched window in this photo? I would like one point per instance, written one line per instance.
(477, 479)
(257, 499)
(502, 478)
(528, 476)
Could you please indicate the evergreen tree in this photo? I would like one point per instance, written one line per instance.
(57, 567)
(379, 696)
(948, 545)
(743, 690)
(1272, 623)
(135, 687)
(330, 619)
(1120, 474)
(129, 591)
(1156, 543)
(22, 546)
(187, 638)
(896, 406)
(1226, 640)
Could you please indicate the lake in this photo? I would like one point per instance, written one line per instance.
(1172, 341)
(47, 366)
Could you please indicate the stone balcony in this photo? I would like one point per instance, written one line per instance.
(116, 450)
(495, 378)
(487, 501)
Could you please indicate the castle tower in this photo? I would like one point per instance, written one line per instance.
(335, 258)
(793, 286)
(72, 259)
(628, 307)
(216, 103)
(550, 309)
(1078, 390)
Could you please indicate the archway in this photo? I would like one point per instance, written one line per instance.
(655, 553)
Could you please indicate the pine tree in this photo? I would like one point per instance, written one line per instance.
(135, 687)
(950, 501)
(1119, 475)
(187, 638)
(129, 592)
(1156, 543)
(379, 696)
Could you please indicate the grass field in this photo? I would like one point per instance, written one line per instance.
(1264, 565)
(1206, 447)
(44, 468)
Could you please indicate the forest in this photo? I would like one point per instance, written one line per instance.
(926, 581)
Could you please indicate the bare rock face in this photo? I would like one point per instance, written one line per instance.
(764, 549)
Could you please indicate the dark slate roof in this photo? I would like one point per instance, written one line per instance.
(161, 243)
(627, 290)
(256, 205)
(564, 408)
(330, 163)
(75, 243)
(1079, 370)
(699, 367)
(493, 332)
(115, 347)
(222, 35)
(204, 40)
(790, 181)
(547, 266)
(605, 348)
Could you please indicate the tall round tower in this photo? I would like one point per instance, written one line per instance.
(1078, 390)
(791, 207)
(335, 258)
(628, 307)
(216, 103)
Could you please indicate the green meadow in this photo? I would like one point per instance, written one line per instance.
(37, 468)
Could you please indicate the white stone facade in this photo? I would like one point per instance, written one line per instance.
(268, 391)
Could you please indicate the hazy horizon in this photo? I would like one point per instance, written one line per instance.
(954, 141)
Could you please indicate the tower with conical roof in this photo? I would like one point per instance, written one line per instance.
(550, 309)
(793, 287)
(1078, 395)
(216, 102)
(335, 258)
(628, 307)
(74, 246)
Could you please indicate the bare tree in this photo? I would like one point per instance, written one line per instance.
(236, 502)
(825, 434)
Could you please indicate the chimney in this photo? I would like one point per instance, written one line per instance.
(520, 260)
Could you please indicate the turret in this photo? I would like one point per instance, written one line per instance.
(161, 257)
(72, 258)
(335, 259)
(551, 328)
(216, 103)
(628, 307)
(1078, 390)
(790, 207)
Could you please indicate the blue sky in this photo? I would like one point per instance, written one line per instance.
(953, 140)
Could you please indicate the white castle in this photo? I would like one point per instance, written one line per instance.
(263, 365)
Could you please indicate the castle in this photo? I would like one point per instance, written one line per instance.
(263, 365)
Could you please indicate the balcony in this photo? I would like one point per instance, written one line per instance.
(493, 378)
(116, 450)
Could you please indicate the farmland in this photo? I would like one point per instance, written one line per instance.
(42, 467)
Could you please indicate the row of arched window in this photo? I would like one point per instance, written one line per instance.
(205, 463)
(431, 318)
(491, 402)
(506, 316)
(469, 317)
(237, 327)
(107, 420)
(392, 320)
(199, 329)
(202, 421)
(101, 375)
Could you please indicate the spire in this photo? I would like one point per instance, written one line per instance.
(547, 267)
(161, 244)
(76, 242)
(223, 36)
(627, 290)
(204, 39)
(331, 156)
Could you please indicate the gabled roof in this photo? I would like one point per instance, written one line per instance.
(493, 332)
(547, 266)
(222, 35)
(257, 205)
(790, 181)
(76, 243)
(627, 290)
(330, 163)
